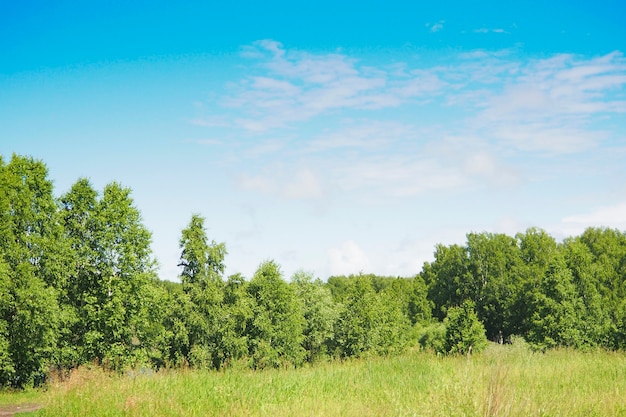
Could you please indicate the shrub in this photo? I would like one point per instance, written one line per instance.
(432, 337)
(464, 332)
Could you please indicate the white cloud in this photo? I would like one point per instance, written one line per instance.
(398, 176)
(611, 216)
(209, 122)
(257, 183)
(468, 123)
(270, 84)
(548, 137)
(296, 86)
(265, 147)
(509, 226)
(210, 142)
(302, 184)
(608, 216)
(365, 135)
(436, 27)
(488, 30)
(550, 104)
(348, 259)
(537, 105)
(259, 48)
(480, 163)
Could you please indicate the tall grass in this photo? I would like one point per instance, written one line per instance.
(503, 381)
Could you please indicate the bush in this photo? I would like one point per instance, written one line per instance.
(464, 332)
(432, 337)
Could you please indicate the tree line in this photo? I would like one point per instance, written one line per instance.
(78, 285)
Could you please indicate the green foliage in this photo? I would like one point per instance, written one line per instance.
(237, 311)
(340, 287)
(276, 327)
(537, 251)
(464, 332)
(202, 263)
(31, 264)
(112, 275)
(419, 307)
(196, 333)
(494, 262)
(320, 314)
(446, 278)
(597, 320)
(370, 322)
(619, 329)
(78, 285)
(598, 262)
(7, 368)
(558, 311)
(207, 325)
(531, 286)
(177, 318)
(432, 336)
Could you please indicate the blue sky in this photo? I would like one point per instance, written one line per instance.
(334, 137)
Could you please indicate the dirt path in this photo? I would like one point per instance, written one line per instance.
(10, 410)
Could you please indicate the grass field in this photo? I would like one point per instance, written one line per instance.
(503, 381)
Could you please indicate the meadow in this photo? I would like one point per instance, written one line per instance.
(507, 380)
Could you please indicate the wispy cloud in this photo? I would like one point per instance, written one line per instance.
(209, 122)
(550, 104)
(297, 86)
(375, 135)
(210, 142)
(404, 128)
(435, 27)
(613, 216)
(300, 184)
(347, 259)
(489, 30)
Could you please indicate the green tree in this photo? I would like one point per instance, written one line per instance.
(112, 281)
(32, 264)
(448, 278)
(419, 307)
(619, 328)
(494, 263)
(392, 323)
(77, 210)
(464, 332)
(7, 369)
(276, 328)
(125, 267)
(354, 331)
(238, 310)
(202, 263)
(31, 230)
(202, 268)
(33, 327)
(320, 313)
(597, 323)
(607, 272)
(340, 287)
(370, 322)
(179, 310)
(537, 251)
(558, 315)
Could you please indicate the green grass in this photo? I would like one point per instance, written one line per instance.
(20, 396)
(503, 381)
